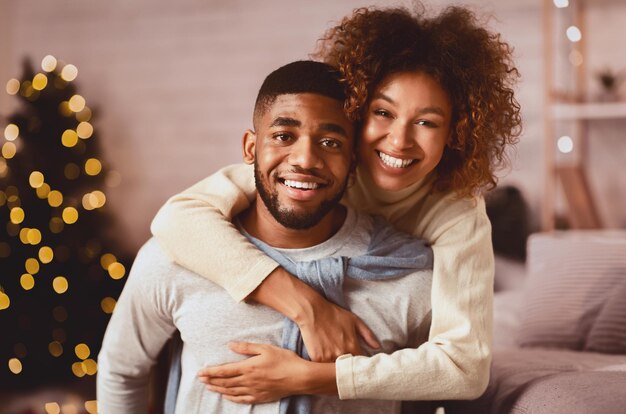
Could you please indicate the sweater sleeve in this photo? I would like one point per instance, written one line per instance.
(139, 327)
(195, 229)
(454, 363)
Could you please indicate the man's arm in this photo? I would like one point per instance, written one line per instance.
(139, 327)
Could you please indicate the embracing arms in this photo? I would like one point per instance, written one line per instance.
(195, 229)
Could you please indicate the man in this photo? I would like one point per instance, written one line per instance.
(302, 150)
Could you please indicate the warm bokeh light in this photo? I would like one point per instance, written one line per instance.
(27, 281)
(13, 86)
(55, 198)
(116, 270)
(71, 171)
(93, 166)
(34, 236)
(69, 73)
(52, 408)
(46, 254)
(43, 191)
(36, 179)
(17, 215)
(5, 249)
(77, 103)
(56, 225)
(15, 366)
(64, 109)
(70, 215)
(11, 132)
(90, 366)
(106, 260)
(55, 348)
(24, 235)
(100, 198)
(84, 115)
(565, 144)
(573, 34)
(49, 63)
(60, 285)
(69, 138)
(91, 406)
(82, 351)
(77, 369)
(84, 130)
(40, 81)
(60, 314)
(5, 302)
(575, 58)
(8, 150)
(32, 266)
(108, 305)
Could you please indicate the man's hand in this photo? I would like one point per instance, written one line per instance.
(328, 330)
(270, 374)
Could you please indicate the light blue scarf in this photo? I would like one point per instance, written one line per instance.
(390, 254)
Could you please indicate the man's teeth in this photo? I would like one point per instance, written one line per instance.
(301, 184)
(394, 162)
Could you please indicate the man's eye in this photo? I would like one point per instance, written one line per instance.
(331, 143)
(282, 137)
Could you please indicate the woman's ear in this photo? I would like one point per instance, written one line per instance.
(249, 146)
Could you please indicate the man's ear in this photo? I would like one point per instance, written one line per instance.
(249, 146)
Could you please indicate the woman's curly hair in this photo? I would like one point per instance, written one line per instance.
(472, 64)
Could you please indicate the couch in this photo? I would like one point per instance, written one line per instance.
(560, 336)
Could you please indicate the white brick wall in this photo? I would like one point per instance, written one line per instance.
(174, 82)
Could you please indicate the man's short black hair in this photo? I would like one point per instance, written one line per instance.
(303, 76)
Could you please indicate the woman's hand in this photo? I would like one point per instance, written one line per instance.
(271, 373)
(328, 331)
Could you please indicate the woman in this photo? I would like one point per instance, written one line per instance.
(434, 104)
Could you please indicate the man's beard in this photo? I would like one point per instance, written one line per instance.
(289, 218)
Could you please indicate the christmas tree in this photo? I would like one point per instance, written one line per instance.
(59, 277)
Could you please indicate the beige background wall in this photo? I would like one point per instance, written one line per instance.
(174, 82)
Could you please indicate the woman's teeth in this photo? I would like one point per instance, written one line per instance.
(301, 185)
(394, 162)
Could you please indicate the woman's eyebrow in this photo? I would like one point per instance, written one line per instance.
(427, 110)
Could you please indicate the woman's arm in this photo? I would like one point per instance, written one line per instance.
(454, 363)
(195, 228)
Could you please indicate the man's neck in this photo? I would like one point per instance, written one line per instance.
(259, 223)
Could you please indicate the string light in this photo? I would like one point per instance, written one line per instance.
(91, 406)
(55, 198)
(84, 130)
(8, 150)
(70, 215)
(49, 63)
(82, 351)
(43, 191)
(69, 73)
(69, 138)
(60, 284)
(116, 270)
(13, 86)
(55, 348)
(17, 215)
(93, 166)
(565, 144)
(11, 132)
(31, 265)
(561, 3)
(573, 34)
(27, 281)
(52, 408)
(76, 103)
(46, 254)
(36, 179)
(34, 236)
(15, 365)
(40, 81)
(5, 301)
(108, 305)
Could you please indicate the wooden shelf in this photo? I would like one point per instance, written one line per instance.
(596, 110)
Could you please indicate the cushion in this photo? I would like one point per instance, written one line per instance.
(571, 275)
(608, 332)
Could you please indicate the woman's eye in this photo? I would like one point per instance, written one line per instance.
(426, 123)
(382, 112)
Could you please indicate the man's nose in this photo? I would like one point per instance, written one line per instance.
(304, 154)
